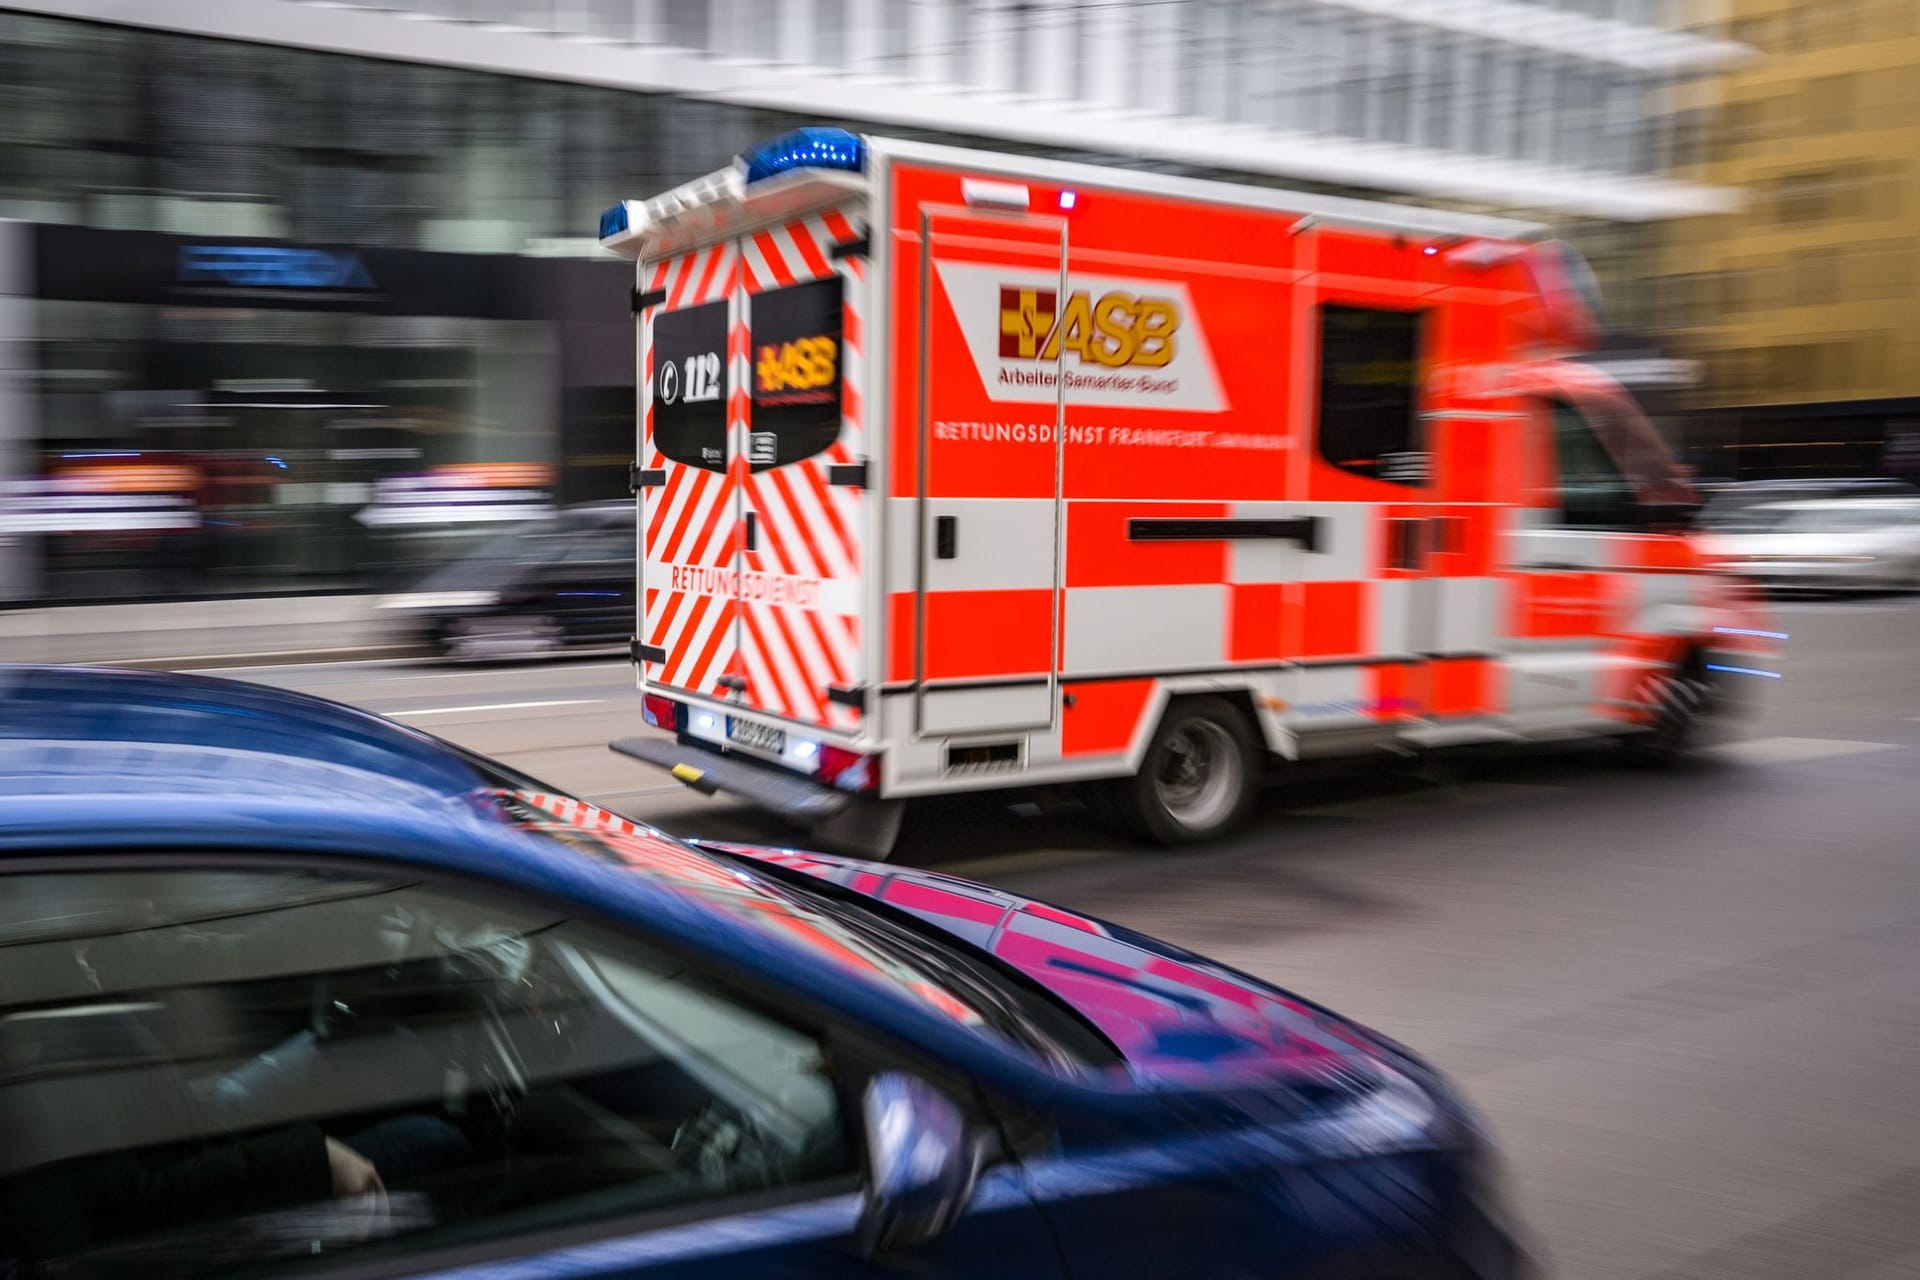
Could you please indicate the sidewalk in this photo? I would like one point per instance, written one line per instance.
(202, 633)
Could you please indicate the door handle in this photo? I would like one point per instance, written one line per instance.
(1555, 566)
(753, 531)
(946, 537)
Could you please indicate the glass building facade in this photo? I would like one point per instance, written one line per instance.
(291, 289)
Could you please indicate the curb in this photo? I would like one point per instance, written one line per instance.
(274, 657)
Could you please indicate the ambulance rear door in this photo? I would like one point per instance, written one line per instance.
(753, 477)
(801, 464)
(688, 498)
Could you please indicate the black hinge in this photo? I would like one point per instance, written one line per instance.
(855, 697)
(651, 298)
(736, 683)
(639, 477)
(849, 249)
(638, 653)
(851, 474)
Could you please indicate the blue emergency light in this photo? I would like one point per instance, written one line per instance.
(614, 220)
(815, 148)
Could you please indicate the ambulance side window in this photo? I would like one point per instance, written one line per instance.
(1593, 492)
(1369, 393)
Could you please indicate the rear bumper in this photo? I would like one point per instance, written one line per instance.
(708, 771)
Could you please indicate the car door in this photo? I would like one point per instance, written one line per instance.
(210, 1069)
(589, 584)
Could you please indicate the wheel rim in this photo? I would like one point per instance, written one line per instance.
(1198, 779)
(1679, 700)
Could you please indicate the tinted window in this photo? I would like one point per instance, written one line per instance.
(202, 1071)
(796, 373)
(1369, 400)
(602, 544)
(690, 385)
(1593, 493)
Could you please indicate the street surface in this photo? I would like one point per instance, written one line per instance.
(1688, 1001)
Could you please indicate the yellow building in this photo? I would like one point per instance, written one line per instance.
(1801, 306)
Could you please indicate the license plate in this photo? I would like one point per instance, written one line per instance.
(760, 737)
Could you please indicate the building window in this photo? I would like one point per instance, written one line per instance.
(1350, 94)
(831, 35)
(1828, 104)
(687, 23)
(1437, 98)
(1396, 90)
(1369, 421)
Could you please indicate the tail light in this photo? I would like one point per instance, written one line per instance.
(662, 713)
(847, 770)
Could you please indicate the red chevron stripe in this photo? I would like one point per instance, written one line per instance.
(809, 251)
(770, 250)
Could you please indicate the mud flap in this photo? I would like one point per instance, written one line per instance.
(866, 828)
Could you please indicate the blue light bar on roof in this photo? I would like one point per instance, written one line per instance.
(816, 148)
(614, 220)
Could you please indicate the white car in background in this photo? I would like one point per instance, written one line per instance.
(1846, 544)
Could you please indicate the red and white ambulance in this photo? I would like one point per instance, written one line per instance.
(962, 470)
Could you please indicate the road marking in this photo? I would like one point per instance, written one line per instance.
(1796, 750)
(495, 706)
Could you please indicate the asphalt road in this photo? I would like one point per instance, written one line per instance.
(1688, 1001)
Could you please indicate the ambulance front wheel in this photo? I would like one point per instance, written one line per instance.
(1199, 779)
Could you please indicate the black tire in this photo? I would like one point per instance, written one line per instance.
(1200, 777)
(1684, 695)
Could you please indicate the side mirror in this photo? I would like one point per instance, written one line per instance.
(921, 1161)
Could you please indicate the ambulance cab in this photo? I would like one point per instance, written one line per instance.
(960, 471)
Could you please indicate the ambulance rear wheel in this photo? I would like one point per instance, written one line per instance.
(1199, 778)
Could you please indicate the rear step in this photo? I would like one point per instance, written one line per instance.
(859, 825)
(708, 771)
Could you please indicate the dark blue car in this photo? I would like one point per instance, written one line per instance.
(287, 988)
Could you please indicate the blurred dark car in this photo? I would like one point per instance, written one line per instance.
(549, 585)
(293, 989)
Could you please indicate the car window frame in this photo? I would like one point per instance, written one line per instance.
(871, 1048)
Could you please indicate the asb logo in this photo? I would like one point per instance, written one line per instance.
(1116, 342)
(805, 364)
(1119, 329)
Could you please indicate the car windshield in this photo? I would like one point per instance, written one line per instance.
(736, 893)
(953, 981)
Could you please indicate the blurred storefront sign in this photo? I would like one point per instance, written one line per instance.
(329, 417)
(257, 266)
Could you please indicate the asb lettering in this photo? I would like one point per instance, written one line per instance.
(1116, 330)
(805, 364)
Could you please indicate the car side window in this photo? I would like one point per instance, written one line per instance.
(204, 1071)
(1593, 492)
